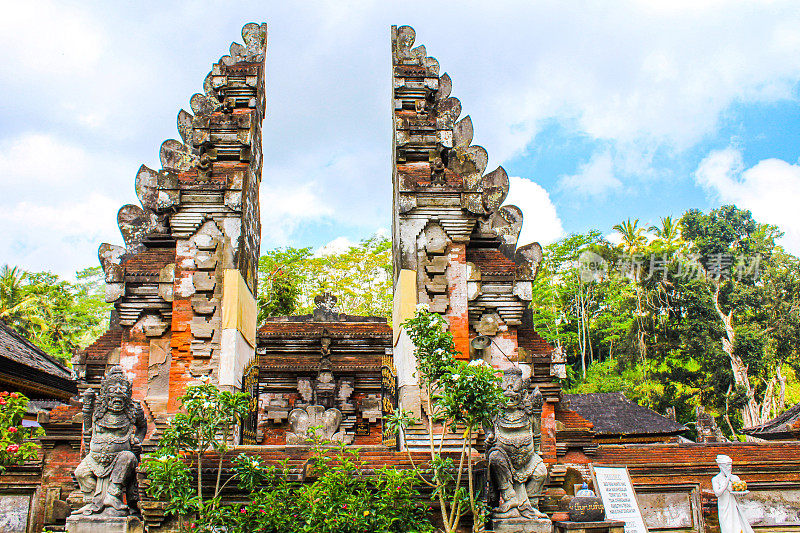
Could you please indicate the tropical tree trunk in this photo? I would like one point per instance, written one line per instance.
(750, 412)
(782, 395)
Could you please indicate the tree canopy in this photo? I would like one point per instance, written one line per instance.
(700, 311)
(360, 277)
(57, 315)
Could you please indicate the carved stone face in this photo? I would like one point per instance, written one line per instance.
(117, 397)
(513, 393)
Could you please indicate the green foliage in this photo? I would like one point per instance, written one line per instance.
(396, 422)
(16, 441)
(360, 277)
(280, 281)
(205, 424)
(171, 481)
(644, 320)
(56, 315)
(434, 347)
(339, 500)
(471, 394)
(458, 393)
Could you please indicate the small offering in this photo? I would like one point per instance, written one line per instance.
(738, 486)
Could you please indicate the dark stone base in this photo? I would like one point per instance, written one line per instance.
(605, 526)
(104, 524)
(521, 525)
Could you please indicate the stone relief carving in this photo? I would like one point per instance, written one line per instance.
(326, 421)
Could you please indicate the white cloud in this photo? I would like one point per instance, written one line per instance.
(61, 237)
(594, 178)
(541, 222)
(284, 209)
(60, 201)
(102, 83)
(47, 38)
(336, 246)
(628, 74)
(770, 189)
(37, 158)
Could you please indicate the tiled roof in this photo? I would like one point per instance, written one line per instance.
(348, 329)
(16, 348)
(785, 425)
(612, 413)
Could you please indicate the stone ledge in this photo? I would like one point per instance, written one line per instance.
(521, 525)
(605, 526)
(104, 524)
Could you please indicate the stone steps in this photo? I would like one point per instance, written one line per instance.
(417, 439)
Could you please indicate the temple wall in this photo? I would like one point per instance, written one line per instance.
(21, 499)
(673, 482)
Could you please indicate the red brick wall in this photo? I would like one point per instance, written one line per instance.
(134, 358)
(457, 312)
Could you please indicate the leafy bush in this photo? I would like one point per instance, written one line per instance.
(457, 393)
(16, 444)
(338, 500)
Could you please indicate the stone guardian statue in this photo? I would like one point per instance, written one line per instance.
(731, 518)
(517, 473)
(116, 423)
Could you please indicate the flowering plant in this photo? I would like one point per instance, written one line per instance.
(16, 441)
(458, 393)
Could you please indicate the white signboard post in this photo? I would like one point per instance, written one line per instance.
(613, 484)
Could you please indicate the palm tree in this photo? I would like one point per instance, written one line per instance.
(633, 242)
(633, 237)
(669, 234)
(18, 307)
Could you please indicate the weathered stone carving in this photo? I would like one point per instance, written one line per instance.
(116, 423)
(446, 203)
(707, 428)
(325, 309)
(326, 422)
(516, 471)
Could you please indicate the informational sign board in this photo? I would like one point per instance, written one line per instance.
(362, 429)
(613, 484)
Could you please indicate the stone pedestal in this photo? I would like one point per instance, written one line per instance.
(521, 525)
(104, 524)
(606, 526)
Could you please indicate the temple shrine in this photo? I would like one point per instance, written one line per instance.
(183, 283)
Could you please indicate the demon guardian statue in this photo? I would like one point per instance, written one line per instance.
(517, 473)
(117, 426)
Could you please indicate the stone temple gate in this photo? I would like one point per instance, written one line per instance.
(183, 287)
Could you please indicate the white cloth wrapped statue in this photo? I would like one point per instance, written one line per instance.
(731, 518)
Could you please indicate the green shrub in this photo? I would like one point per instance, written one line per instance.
(16, 441)
(338, 498)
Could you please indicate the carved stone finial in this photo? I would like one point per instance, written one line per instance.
(325, 309)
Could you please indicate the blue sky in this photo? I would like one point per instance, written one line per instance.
(598, 111)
